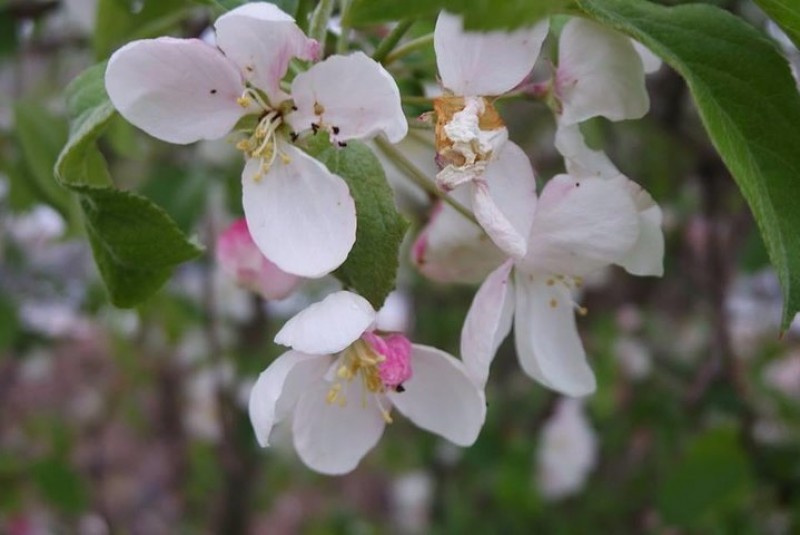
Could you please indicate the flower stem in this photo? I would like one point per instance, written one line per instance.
(319, 21)
(301, 14)
(408, 48)
(422, 101)
(343, 43)
(391, 40)
(419, 178)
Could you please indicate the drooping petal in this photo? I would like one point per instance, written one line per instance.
(440, 397)
(453, 249)
(580, 160)
(599, 74)
(580, 226)
(279, 387)
(646, 257)
(328, 326)
(261, 40)
(488, 323)
(177, 90)
(333, 437)
(548, 346)
(484, 64)
(353, 96)
(241, 260)
(300, 215)
(505, 200)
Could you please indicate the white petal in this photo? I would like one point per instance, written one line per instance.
(262, 40)
(513, 185)
(488, 323)
(581, 226)
(353, 96)
(646, 257)
(177, 90)
(328, 326)
(331, 438)
(441, 398)
(548, 346)
(650, 61)
(580, 160)
(279, 387)
(599, 74)
(453, 249)
(300, 215)
(495, 223)
(483, 64)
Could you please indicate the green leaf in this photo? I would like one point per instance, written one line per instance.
(135, 243)
(786, 13)
(60, 484)
(120, 21)
(748, 102)
(478, 14)
(371, 267)
(41, 135)
(712, 477)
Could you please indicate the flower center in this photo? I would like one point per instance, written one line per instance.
(262, 143)
(570, 283)
(380, 364)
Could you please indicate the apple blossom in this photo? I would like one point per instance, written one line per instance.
(340, 380)
(239, 257)
(567, 451)
(473, 67)
(301, 216)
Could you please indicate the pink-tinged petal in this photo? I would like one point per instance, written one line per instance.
(582, 161)
(279, 387)
(488, 323)
(332, 438)
(441, 397)
(240, 258)
(177, 90)
(484, 63)
(261, 40)
(646, 257)
(300, 215)
(581, 226)
(599, 74)
(328, 326)
(353, 97)
(395, 369)
(453, 249)
(548, 346)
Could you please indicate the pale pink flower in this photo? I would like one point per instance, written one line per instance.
(300, 215)
(241, 260)
(340, 380)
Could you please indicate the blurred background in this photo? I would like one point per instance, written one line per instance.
(134, 421)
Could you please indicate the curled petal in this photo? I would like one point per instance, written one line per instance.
(495, 223)
(328, 326)
(261, 40)
(300, 215)
(599, 74)
(451, 248)
(646, 257)
(332, 438)
(484, 63)
(488, 322)
(440, 397)
(581, 225)
(548, 346)
(353, 97)
(279, 387)
(177, 90)
(580, 160)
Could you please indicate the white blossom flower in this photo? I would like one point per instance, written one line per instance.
(576, 227)
(340, 380)
(473, 67)
(301, 216)
(241, 260)
(567, 452)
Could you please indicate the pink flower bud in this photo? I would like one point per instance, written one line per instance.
(396, 351)
(241, 259)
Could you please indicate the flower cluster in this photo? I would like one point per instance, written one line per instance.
(342, 377)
